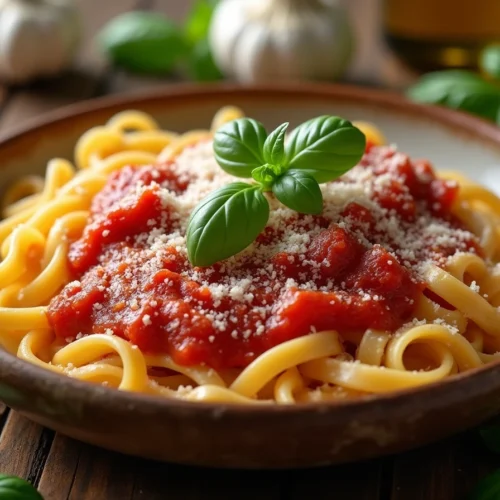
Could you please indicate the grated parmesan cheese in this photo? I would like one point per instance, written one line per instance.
(414, 244)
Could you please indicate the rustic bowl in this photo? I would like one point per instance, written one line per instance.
(241, 436)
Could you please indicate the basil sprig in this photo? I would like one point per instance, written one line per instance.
(239, 145)
(15, 488)
(326, 147)
(299, 191)
(230, 218)
(226, 222)
(459, 89)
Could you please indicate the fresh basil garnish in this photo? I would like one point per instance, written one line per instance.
(238, 146)
(15, 488)
(230, 218)
(459, 89)
(266, 175)
(299, 191)
(327, 147)
(226, 222)
(274, 147)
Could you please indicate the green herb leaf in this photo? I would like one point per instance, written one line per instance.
(225, 223)
(238, 146)
(229, 219)
(274, 147)
(456, 89)
(487, 489)
(326, 147)
(489, 60)
(299, 191)
(267, 174)
(198, 21)
(15, 488)
(144, 42)
(435, 87)
(201, 64)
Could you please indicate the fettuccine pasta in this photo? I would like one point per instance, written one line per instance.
(396, 285)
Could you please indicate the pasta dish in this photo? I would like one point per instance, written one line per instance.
(394, 284)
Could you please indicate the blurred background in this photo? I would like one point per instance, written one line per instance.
(56, 52)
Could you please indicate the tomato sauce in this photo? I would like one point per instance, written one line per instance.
(163, 305)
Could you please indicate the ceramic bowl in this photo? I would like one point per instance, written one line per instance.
(242, 436)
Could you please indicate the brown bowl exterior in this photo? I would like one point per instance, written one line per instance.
(219, 435)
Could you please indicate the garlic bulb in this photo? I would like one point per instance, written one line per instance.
(37, 38)
(265, 40)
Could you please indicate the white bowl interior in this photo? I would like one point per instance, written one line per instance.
(418, 136)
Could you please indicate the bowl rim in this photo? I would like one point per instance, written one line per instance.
(20, 373)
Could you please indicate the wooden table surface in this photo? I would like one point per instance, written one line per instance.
(65, 469)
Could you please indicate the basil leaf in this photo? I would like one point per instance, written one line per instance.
(15, 488)
(198, 21)
(434, 87)
(299, 191)
(326, 147)
(487, 489)
(489, 60)
(201, 64)
(238, 146)
(144, 42)
(274, 147)
(461, 90)
(267, 174)
(225, 223)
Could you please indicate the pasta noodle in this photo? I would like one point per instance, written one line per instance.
(453, 327)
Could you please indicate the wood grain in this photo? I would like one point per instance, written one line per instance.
(103, 475)
(155, 481)
(361, 482)
(23, 447)
(60, 468)
(445, 470)
(3, 95)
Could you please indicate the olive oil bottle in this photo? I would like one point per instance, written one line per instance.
(436, 34)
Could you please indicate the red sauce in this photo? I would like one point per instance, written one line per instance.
(161, 310)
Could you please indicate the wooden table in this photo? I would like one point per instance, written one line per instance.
(65, 469)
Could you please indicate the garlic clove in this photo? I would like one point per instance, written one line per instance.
(260, 40)
(38, 38)
(227, 22)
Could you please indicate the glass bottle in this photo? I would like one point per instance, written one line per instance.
(436, 34)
